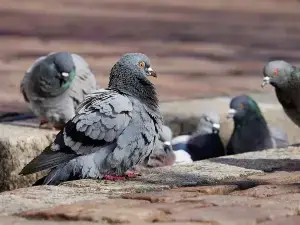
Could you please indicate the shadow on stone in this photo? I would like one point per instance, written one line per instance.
(265, 165)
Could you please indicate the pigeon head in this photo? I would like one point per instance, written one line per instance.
(209, 123)
(162, 155)
(55, 73)
(242, 107)
(130, 76)
(277, 73)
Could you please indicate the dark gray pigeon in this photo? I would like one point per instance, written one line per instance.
(113, 130)
(206, 143)
(54, 86)
(285, 78)
(251, 131)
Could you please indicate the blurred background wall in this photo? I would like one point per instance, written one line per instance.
(198, 47)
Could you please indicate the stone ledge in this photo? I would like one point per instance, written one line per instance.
(18, 145)
(230, 170)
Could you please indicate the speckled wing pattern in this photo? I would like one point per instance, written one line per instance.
(101, 118)
(105, 121)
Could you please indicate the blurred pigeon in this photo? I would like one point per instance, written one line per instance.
(251, 132)
(113, 130)
(54, 86)
(182, 157)
(279, 137)
(285, 78)
(206, 143)
(179, 142)
(162, 154)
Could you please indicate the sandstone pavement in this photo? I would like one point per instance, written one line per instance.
(250, 188)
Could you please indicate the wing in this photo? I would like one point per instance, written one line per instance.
(84, 81)
(101, 118)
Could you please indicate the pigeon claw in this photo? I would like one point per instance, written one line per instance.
(42, 122)
(113, 178)
(131, 174)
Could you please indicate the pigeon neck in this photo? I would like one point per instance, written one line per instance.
(68, 83)
(137, 87)
(254, 122)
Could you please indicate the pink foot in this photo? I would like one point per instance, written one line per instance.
(113, 178)
(132, 174)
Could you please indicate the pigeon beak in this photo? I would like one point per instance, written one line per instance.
(266, 81)
(167, 143)
(151, 72)
(65, 74)
(231, 113)
(215, 127)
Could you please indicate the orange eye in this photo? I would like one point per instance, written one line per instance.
(241, 105)
(142, 64)
(276, 72)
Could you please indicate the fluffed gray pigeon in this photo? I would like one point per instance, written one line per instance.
(206, 143)
(54, 86)
(285, 78)
(251, 131)
(113, 130)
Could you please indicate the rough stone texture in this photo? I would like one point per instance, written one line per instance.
(227, 181)
(18, 145)
(14, 220)
(204, 205)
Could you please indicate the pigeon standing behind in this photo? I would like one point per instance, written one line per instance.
(279, 137)
(162, 154)
(113, 130)
(54, 86)
(285, 78)
(206, 143)
(251, 131)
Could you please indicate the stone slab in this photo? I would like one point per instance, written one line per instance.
(18, 145)
(225, 170)
(198, 205)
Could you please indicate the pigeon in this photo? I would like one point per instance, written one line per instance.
(180, 149)
(163, 154)
(113, 130)
(54, 86)
(285, 78)
(206, 143)
(182, 157)
(179, 142)
(279, 137)
(251, 131)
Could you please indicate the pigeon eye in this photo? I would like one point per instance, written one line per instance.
(242, 106)
(207, 119)
(142, 64)
(276, 72)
